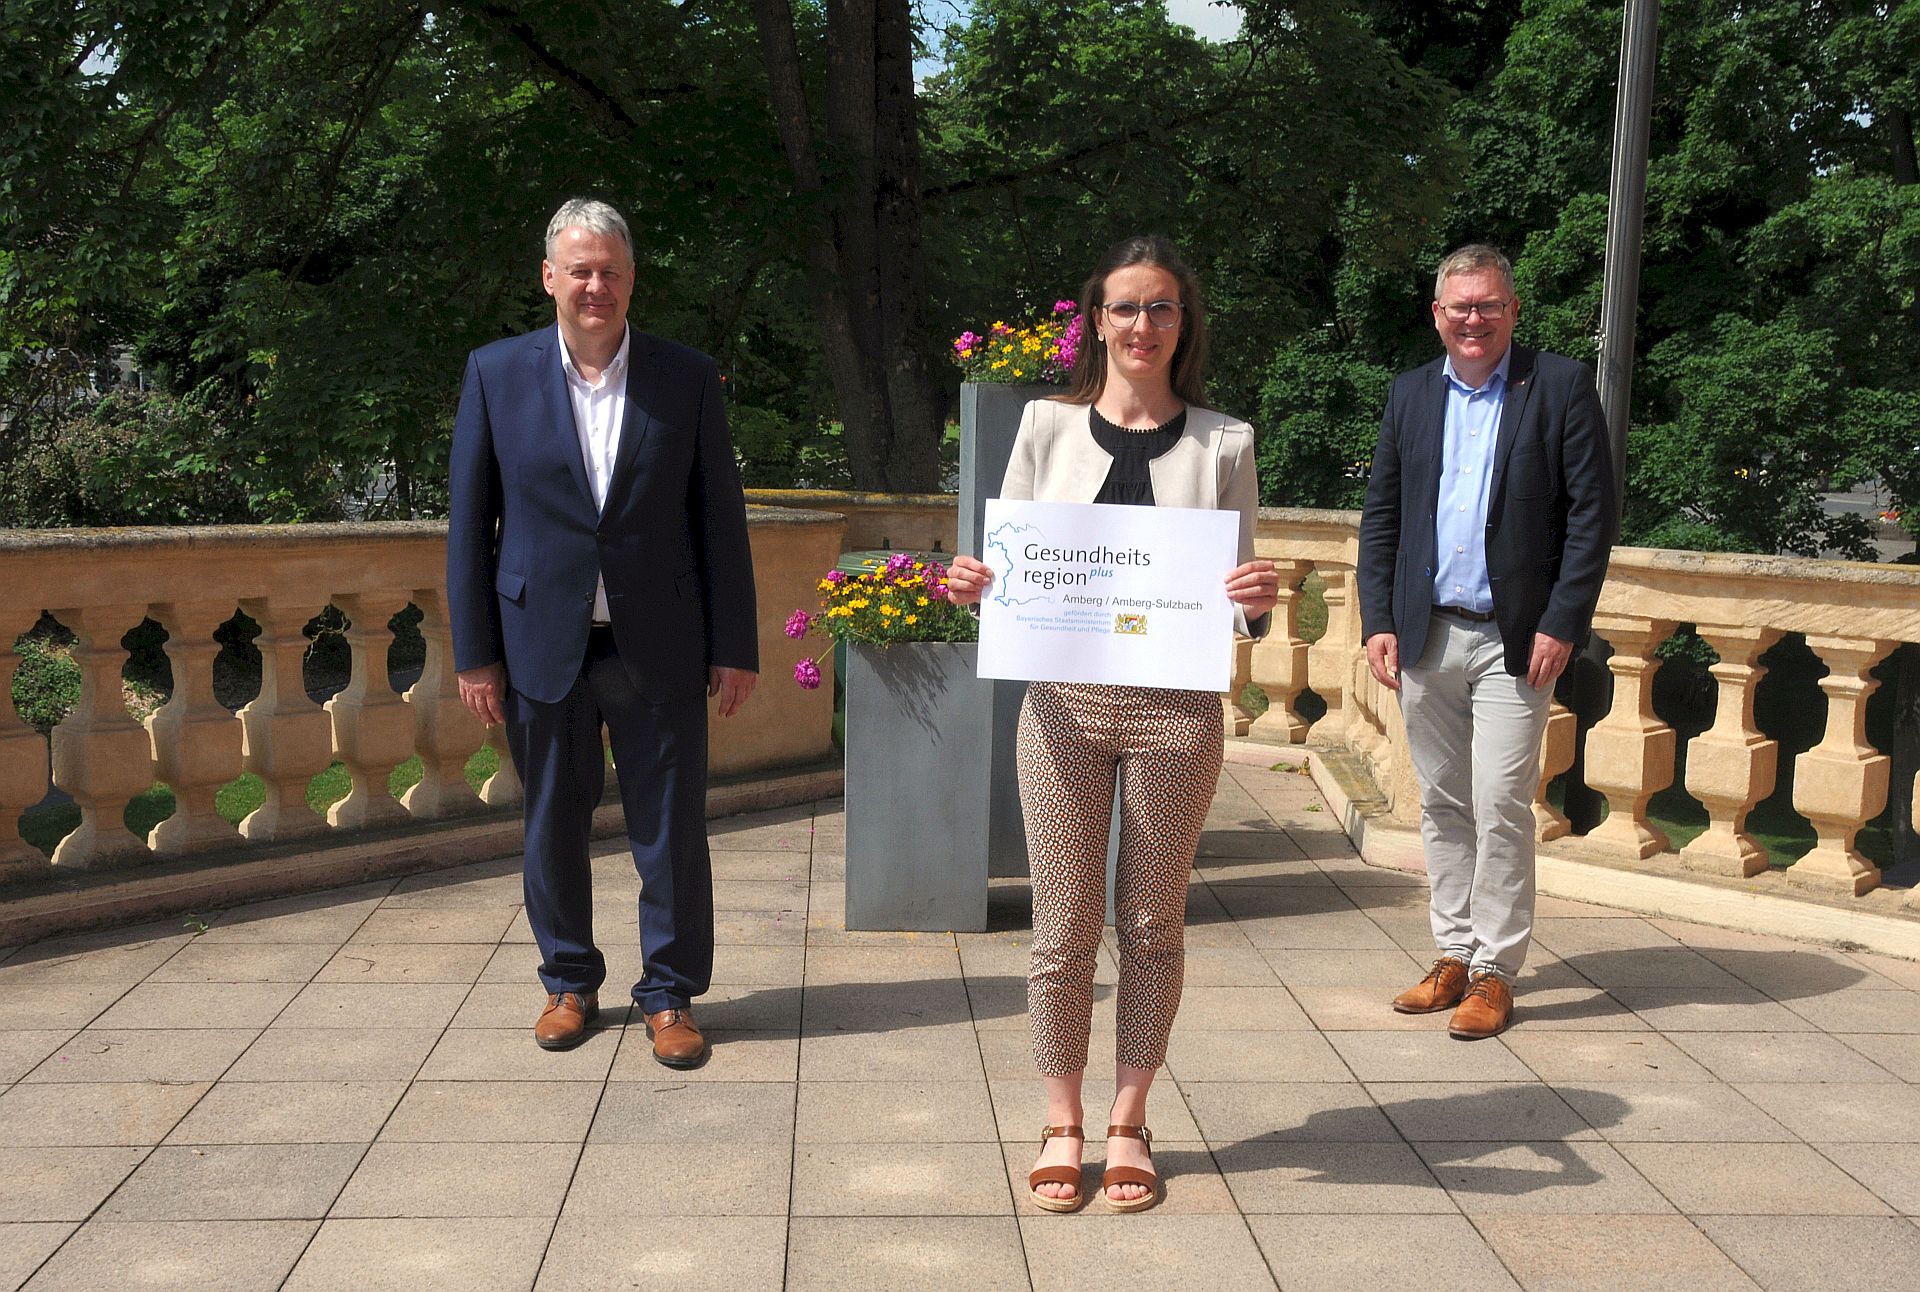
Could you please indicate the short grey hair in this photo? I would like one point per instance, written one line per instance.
(592, 215)
(1475, 257)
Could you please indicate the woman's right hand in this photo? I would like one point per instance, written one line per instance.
(967, 580)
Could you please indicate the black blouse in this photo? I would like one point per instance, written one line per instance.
(1128, 480)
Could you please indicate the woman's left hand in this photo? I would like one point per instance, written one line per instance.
(1255, 586)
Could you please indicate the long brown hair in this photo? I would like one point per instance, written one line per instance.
(1189, 356)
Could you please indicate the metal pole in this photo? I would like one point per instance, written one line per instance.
(1588, 684)
(1626, 217)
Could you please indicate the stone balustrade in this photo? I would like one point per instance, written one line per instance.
(1851, 615)
(100, 584)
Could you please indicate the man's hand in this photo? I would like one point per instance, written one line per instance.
(732, 685)
(967, 580)
(1550, 656)
(1383, 659)
(484, 691)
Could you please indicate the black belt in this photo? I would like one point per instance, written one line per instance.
(1472, 616)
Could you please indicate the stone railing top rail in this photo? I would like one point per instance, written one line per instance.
(816, 498)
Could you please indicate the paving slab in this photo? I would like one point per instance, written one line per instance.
(334, 1054)
(1607, 1253)
(1671, 1112)
(494, 1112)
(1779, 1056)
(883, 1254)
(1892, 1171)
(95, 1114)
(60, 1183)
(1189, 1253)
(1337, 1253)
(231, 962)
(1482, 1110)
(464, 1255)
(1751, 1180)
(408, 962)
(927, 1179)
(197, 1255)
(1860, 1112)
(235, 1182)
(694, 1254)
(1817, 1253)
(396, 1180)
(289, 1112)
(140, 1054)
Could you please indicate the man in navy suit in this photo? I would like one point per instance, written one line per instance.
(598, 573)
(1483, 545)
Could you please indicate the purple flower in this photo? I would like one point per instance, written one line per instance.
(797, 623)
(899, 561)
(807, 674)
(1064, 306)
(836, 576)
(934, 576)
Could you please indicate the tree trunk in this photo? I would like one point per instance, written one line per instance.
(863, 255)
(1900, 137)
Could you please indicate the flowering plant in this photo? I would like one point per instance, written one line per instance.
(1042, 349)
(903, 600)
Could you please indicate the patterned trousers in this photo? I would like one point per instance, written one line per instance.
(1166, 747)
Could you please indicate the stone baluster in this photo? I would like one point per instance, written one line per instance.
(1556, 756)
(1630, 752)
(502, 789)
(23, 770)
(287, 738)
(1232, 713)
(1731, 765)
(445, 733)
(196, 742)
(1280, 662)
(101, 756)
(372, 725)
(1330, 660)
(1841, 783)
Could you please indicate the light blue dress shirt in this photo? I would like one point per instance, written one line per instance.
(1466, 483)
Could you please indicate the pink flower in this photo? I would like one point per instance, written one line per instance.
(807, 674)
(1064, 306)
(836, 576)
(899, 561)
(797, 624)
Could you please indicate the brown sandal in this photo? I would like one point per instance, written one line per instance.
(1057, 1174)
(1130, 1174)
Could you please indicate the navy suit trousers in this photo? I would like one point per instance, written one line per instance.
(660, 757)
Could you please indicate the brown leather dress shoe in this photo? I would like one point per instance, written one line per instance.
(677, 1041)
(1442, 988)
(1486, 1011)
(563, 1023)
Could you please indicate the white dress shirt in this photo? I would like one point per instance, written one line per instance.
(599, 409)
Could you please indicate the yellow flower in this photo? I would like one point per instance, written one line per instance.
(911, 619)
(861, 604)
(888, 612)
(921, 602)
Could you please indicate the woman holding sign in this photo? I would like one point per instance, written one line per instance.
(1133, 430)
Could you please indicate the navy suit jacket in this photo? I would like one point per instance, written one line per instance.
(525, 542)
(1550, 513)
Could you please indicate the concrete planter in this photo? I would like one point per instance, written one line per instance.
(989, 421)
(919, 732)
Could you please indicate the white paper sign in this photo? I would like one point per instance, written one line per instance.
(1089, 592)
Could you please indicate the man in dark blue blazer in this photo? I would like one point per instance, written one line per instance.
(598, 573)
(1483, 545)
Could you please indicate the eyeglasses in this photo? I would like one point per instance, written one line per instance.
(1489, 310)
(1161, 314)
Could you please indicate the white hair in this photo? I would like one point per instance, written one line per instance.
(592, 215)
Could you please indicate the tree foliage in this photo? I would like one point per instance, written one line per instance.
(298, 216)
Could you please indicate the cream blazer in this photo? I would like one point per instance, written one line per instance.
(1055, 459)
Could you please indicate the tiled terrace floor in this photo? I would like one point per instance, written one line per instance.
(340, 1091)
